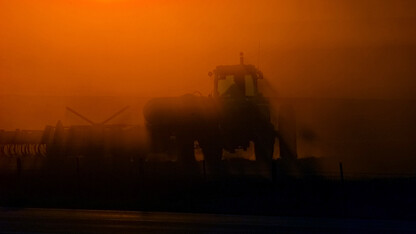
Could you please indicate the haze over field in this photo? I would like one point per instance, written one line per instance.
(97, 56)
(348, 49)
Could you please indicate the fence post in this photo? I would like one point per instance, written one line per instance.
(274, 171)
(204, 170)
(341, 172)
(78, 174)
(19, 167)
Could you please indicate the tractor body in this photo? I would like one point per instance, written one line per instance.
(230, 119)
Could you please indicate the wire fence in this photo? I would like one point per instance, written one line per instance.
(32, 165)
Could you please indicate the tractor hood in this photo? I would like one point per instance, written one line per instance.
(180, 111)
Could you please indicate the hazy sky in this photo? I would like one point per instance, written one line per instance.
(310, 48)
(321, 48)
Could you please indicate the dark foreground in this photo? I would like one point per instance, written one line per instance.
(104, 221)
(242, 197)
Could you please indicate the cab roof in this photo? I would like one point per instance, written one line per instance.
(237, 69)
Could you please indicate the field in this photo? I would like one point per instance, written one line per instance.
(239, 187)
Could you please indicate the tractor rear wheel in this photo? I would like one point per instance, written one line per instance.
(264, 147)
(212, 152)
(287, 133)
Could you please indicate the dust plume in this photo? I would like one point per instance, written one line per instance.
(346, 66)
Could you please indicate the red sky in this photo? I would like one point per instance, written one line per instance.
(306, 48)
(320, 48)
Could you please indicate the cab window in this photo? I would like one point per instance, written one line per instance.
(225, 84)
(249, 85)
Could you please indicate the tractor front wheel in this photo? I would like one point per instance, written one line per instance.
(264, 147)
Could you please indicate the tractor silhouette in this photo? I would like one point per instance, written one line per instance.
(235, 115)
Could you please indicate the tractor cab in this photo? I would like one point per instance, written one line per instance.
(236, 80)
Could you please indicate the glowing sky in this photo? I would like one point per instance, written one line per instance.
(319, 48)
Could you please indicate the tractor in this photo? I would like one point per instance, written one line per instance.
(235, 116)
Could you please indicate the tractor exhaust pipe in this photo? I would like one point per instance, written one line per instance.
(241, 58)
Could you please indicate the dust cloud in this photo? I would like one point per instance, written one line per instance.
(349, 49)
(346, 66)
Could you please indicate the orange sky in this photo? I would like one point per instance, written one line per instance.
(321, 48)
